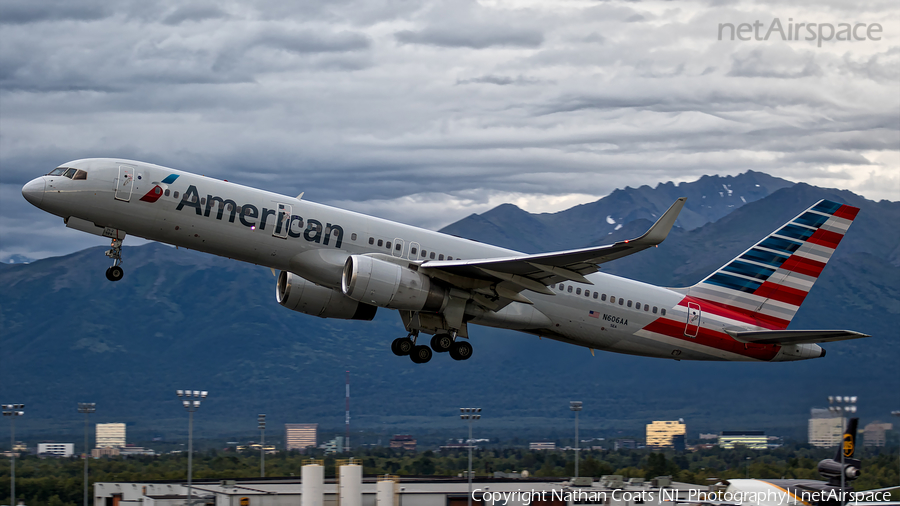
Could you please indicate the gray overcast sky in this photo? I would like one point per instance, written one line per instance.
(427, 111)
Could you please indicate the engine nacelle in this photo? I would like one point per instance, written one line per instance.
(389, 285)
(830, 468)
(298, 294)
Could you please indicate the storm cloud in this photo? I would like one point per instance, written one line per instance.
(425, 112)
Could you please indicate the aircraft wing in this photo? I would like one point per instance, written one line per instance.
(537, 272)
(784, 337)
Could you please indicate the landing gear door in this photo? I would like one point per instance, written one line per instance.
(282, 221)
(125, 183)
(693, 320)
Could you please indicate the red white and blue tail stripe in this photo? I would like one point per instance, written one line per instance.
(770, 280)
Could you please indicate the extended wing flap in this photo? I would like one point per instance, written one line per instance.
(550, 268)
(784, 337)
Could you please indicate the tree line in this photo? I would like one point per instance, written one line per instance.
(58, 481)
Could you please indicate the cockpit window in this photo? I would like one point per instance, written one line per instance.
(80, 174)
(69, 173)
(57, 172)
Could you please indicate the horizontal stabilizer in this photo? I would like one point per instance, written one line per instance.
(793, 336)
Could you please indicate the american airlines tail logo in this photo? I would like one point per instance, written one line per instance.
(159, 188)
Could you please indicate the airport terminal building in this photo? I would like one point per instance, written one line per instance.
(351, 489)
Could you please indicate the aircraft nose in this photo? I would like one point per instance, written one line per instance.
(33, 191)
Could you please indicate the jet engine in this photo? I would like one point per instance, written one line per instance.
(298, 294)
(385, 284)
(830, 468)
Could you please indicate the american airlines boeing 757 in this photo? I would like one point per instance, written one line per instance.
(340, 264)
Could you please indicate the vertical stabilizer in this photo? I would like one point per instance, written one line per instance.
(770, 280)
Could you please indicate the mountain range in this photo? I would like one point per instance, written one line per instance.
(186, 320)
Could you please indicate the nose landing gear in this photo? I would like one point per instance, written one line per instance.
(115, 272)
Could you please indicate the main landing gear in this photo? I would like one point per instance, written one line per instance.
(441, 343)
(115, 272)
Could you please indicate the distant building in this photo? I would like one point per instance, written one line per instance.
(104, 452)
(542, 445)
(825, 430)
(753, 439)
(130, 451)
(678, 442)
(110, 435)
(874, 434)
(660, 433)
(403, 442)
(625, 444)
(708, 436)
(300, 436)
(56, 449)
(336, 445)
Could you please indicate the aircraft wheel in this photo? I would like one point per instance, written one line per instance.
(402, 346)
(420, 354)
(114, 273)
(441, 343)
(461, 350)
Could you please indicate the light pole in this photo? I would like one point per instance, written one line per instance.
(470, 414)
(842, 405)
(12, 411)
(897, 413)
(576, 407)
(191, 402)
(87, 408)
(261, 418)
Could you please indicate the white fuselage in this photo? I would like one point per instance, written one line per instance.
(318, 238)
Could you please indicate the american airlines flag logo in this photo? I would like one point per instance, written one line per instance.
(594, 314)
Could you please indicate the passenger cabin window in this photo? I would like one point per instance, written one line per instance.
(570, 289)
(562, 287)
(578, 291)
(203, 201)
(239, 209)
(596, 294)
(603, 297)
(166, 193)
(80, 174)
(371, 240)
(449, 257)
(175, 195)
(654, 310)
(412, 251)
(663, 311)
(432, 255)
(353, 236)
(441, 256)
(388, 245)
(398, 247)
(380, 243)
(629, 303)
(612, 299)
(621, 301)
(646, 307)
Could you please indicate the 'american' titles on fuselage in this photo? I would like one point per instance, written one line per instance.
(314, 231)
